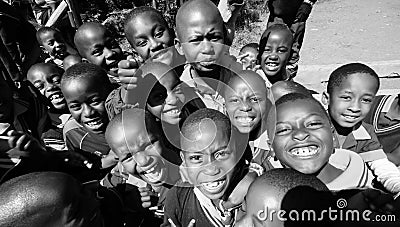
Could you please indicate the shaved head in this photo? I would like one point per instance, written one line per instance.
(46, 199)
(194, 9)
(85, 33)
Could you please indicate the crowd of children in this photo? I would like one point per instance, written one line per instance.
(182, 133)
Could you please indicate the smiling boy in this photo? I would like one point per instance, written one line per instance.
(212, 156)
(85, 87)
(95, 43)
(274, 52)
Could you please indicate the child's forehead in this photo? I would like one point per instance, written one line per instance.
(255, 84)
(148, 16)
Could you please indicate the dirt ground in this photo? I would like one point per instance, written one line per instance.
(340, 31)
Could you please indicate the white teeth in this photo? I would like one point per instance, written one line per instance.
(213, 185)
(93, 123)
(150, 170)
(173, 112)
(245, 120)
(304, 151)
(272, 64)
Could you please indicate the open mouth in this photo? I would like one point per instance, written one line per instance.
(245, 121)
(350, 118)
(214, 186)
(94, 124)
(56, 98)
(272, 66)
(173, 112)
(154, 175)
(304, 152)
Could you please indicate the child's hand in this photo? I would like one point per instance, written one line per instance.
(109, 160)
(191, 224)
(22, 143)
(148, 196)
(126, 72)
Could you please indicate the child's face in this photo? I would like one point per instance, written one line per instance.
(86, 103)
(209, 161)
(47, 80)
(54, 43)
(102, 50)
(166, 99)
(201, 41)
(303, 139)
(144, 154)
(148, 35)
(250, 61)
(246, 104)
(351, 102)
(276, 53)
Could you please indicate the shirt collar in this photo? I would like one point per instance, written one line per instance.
(388, 103)
(361, 133)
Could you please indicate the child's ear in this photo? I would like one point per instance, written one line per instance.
(336, 143)
(325, 98)
(182, 157)
(178, 46)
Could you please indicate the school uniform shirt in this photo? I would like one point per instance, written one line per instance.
(364, 141)
(93, 146)
(355, 172)
(53, 136)
(210, 97)
(386, 126)
(186, 203)
(261, 160)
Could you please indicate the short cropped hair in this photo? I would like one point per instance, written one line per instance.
(249, 46)
(44, 30)
(285, 179)
(142, 10)
(291, 97)
(266, 34)
(86, 71)
(191, 125)
(340, 74)
(292, 87)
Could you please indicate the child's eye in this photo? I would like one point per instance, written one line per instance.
(127, 157)
(267, 50)
(97, 52)
(255, 99)
(75, 107)
(234, 100)
(96, 102)
(283, 130)
(314, 125)
(195, 158)
(345, 98)
(159, 34)
(282, 50)
(39, 85)
(220, 155)
(141, 43)
(366, 100)
(50, 43)
(196, 40)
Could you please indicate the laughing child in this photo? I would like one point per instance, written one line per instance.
(85, 87)
(51, 40)
(46, 77)
(248, 105)
(304, 141)
(96, 44)
(138, 141)
(350, 92)
(274, 53)
(212, 157)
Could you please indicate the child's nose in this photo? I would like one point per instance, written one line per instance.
(171, 99)
(142, 159)
(355, 105)
(108, 53)
(212, 170)
(155, 45)
(300, 135)
(87, 110)
(207, 46)
(245, 106)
